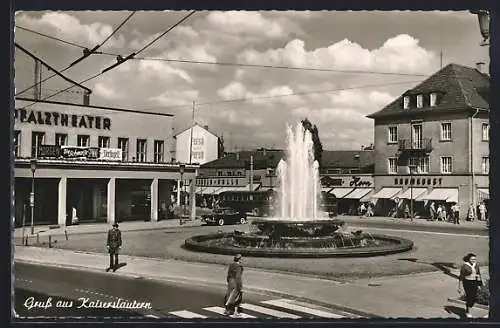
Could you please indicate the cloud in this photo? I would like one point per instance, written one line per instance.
(107, 91)
(68, 27)
(240, 118)
(151, 69)
(401, 53)
(247, 23)
(175, 97)
(280, 94)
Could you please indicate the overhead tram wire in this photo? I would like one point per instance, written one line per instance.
(120, 60)
(86, 51)
(185, 61)
(113, 66)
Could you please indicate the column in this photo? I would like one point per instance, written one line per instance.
(111, 200)
(178, 192)
(61, 201)
(192, 190)
(154, 200)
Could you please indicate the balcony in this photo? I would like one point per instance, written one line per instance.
(420, 145)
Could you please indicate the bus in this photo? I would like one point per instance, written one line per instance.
(259, 203)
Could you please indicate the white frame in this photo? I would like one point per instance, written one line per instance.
(420, 101)
(442, 164)
(433, 99)
(441, 136)
(65, 139)
(485, 164)
(487, 130)
(389, 165)
(159, 154)
(389, 134)
(406, 102)
(104, 141)
(83, 137)
(141, 154)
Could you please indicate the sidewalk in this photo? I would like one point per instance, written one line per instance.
(411, 296)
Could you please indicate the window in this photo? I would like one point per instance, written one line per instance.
(393, 134)
(420, 164)
(17, 143)
(406, 102)
(123, 145)
(61, 139)
(486, 132)
(420, 101)
(83, 140)
(198, 155)
(485, 165)
(158, 154)
(37, 139)
(433, 99)
(392, 165)
(104, 142)
(141, 153)
(445, 131)
(446, 164)
(198, 142)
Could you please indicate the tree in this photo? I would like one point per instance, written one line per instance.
(317, 146)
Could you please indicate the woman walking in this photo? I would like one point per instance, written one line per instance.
(234, 293)
(470, 279)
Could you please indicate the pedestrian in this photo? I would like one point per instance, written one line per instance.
(471, 215)
(457, 213)
(114, 243)
(482, 212)
(432, 211)
(407, 211)
(439, 212)
(362, 209)
(234, 293)
(369, 210)
(470, 278)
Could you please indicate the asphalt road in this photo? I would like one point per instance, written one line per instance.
(76, 289)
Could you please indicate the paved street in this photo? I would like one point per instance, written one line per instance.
(166, 300)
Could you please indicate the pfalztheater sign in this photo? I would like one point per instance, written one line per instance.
(60, 119)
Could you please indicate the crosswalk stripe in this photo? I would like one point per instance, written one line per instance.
(187, 314)
(267, 311)
(220, 310)
(283, 303)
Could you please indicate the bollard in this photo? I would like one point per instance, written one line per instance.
(66, 234)
(50, 241)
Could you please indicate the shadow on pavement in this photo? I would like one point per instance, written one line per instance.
(455, 310)
(444, 267)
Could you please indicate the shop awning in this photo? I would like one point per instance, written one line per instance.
(358, 193)
(387, 193)
(211, 190)
(199, 190)
(407, 194)
(340, 192)
(326, 189)
(368, 197)
(447, 194)
(482, 194)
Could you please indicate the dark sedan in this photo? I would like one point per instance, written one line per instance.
(224, 216)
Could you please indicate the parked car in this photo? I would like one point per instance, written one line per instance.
(224, 216)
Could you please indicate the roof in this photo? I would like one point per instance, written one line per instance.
(270, 159)
(458, 87)
(192, 126)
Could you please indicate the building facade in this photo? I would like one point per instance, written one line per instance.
(432, 144)
(205, 145)
(98, 163)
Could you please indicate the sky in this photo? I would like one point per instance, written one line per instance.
(251, 106)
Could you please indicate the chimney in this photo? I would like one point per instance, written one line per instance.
(480, 67)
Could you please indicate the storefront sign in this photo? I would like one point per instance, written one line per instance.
(79, 152)
(59, 119)
(358, 182)
(346, 181)
(49, 151)
(110, 154)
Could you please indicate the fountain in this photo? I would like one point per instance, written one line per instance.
(298, 228)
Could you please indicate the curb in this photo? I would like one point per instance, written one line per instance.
(459, 302)
(212, 284)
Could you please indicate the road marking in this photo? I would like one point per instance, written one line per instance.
(220, 310)
(283, 303)
(267, 311)
(429, 232)
(187, 314)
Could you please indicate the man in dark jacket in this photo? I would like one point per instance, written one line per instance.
(234, 293)
(114, 243)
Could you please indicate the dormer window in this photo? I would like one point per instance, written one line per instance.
(433, 99)
(406, 102)
(420, 101)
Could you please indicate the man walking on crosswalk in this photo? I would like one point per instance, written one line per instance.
(234, 293)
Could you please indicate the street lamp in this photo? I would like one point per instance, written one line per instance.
(181, 171)
(32, 195)
(411, 167)
(484, 25)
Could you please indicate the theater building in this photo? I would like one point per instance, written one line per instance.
(432, 144)
(101, 164)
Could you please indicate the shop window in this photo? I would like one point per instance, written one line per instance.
(37, 139)
(17, 143)
(159, 151)
(485, 165)
(393, 134)
(446, 165)
(142, 148)
(61, 139)
(446, 131)
(123, 145)
(83, 140)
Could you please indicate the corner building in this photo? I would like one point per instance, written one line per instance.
(432, 144)
(108, 164)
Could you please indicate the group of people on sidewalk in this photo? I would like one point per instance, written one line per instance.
(452, 214)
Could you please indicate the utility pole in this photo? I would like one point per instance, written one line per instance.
(37, 79)
(191, 135)
(251, 173)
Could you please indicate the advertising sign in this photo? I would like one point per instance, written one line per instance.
(110, 154)
(79, 152)
(49, 151)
